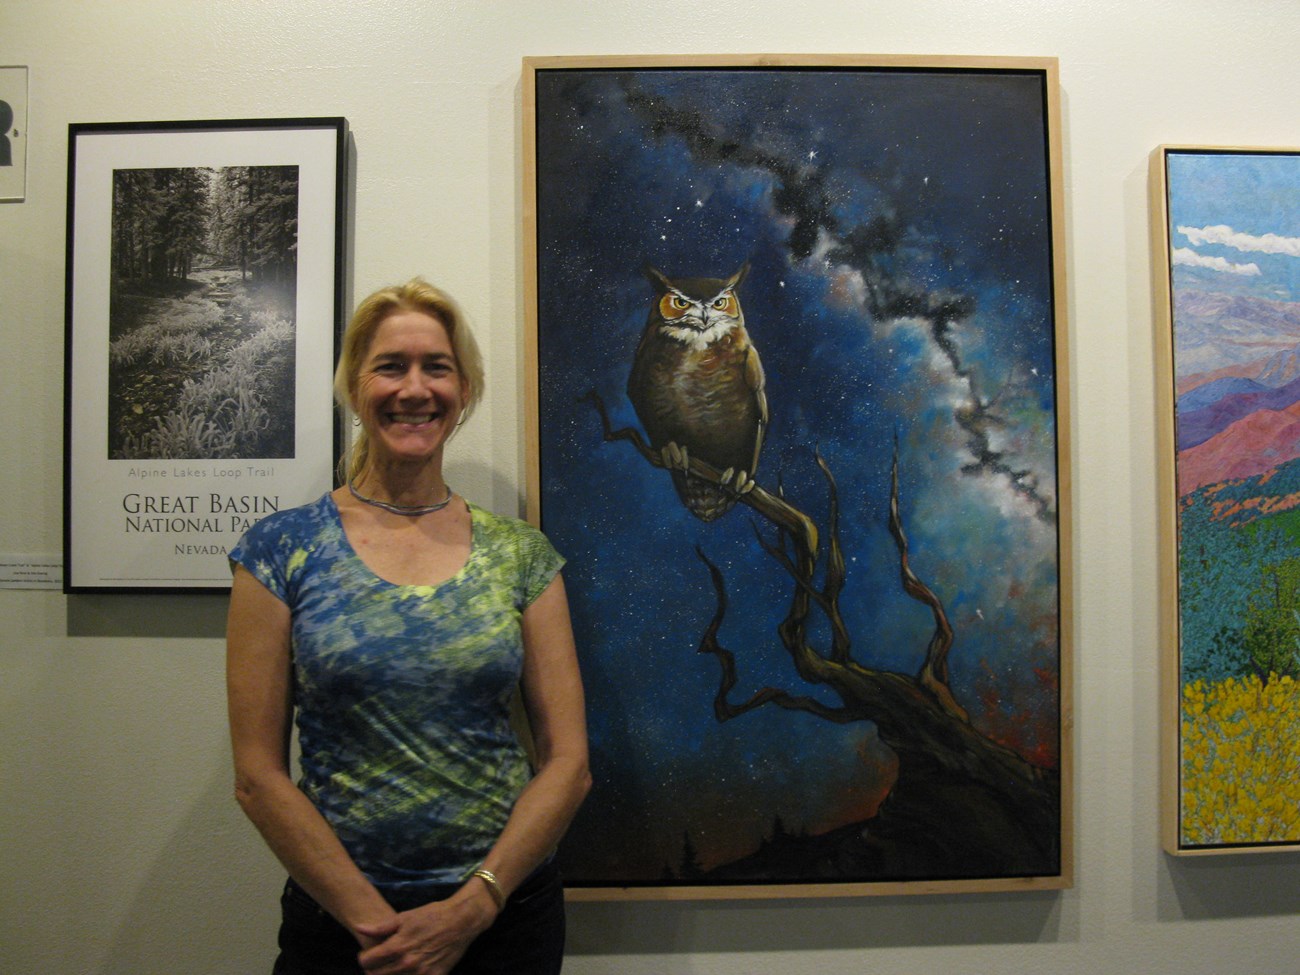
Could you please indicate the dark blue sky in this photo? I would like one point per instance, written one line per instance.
(897, 227)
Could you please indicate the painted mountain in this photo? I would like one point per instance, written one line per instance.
(1229, 334)
(1238, 382)
(1198, 425)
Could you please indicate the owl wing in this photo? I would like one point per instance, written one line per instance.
(757, 382)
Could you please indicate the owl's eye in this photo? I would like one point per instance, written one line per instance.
(673, 306)
(725, 302)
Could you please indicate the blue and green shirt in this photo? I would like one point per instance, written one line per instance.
(403, 693)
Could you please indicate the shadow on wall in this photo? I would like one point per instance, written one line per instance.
(1229, 886)
(828, 924)
(199, 616)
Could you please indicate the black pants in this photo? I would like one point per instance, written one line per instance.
(527, 937)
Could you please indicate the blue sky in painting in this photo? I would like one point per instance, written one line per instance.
(1235, 222)
(897, 227)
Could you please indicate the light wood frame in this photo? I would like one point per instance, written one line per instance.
(1189, 663)
(542, 393)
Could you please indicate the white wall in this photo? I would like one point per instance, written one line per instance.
(120, 848)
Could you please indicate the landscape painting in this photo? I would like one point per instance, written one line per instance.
(203, 306)
(798, 423)
(1228, 287)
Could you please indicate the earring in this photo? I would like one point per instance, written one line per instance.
(356, 421)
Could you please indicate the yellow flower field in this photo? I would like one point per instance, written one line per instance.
(1240, 774)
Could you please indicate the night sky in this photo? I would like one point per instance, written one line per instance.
(897, 228)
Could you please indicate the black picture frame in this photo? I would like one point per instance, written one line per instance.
(204, 298)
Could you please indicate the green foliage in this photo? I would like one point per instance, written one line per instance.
(1271, 630)
(1223, 571)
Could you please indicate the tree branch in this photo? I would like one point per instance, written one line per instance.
(723, 709)
(933, 674)
(774, 509)
(797, 553)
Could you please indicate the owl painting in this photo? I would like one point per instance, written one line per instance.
(697, 386)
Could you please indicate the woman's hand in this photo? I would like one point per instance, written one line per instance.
(428, 940)
(369, 935)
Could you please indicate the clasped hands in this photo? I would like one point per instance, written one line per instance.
(427, 940)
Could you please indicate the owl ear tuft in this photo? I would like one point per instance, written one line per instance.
(657, 279)
(733, 282)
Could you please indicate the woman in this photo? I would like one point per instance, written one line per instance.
(397, 619)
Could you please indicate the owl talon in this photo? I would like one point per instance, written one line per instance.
(675, 457)
(738, 482)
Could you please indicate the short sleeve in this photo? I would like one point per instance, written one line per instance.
(263, 552)
(539, 562)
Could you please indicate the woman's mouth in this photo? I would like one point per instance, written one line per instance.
(413, 418)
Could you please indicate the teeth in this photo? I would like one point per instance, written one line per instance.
(412, 417)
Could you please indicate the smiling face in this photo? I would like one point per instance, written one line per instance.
(409, 391)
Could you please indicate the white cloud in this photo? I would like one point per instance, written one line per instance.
(1220, 234)
(1189, 258)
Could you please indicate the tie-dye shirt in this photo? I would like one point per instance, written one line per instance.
(403, 692)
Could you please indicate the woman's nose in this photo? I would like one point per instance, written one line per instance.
(413, 382)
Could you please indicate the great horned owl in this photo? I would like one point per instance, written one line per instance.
(697, 386)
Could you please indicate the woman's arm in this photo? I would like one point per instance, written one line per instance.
(258, 681)
(437, 934)
(557, 716)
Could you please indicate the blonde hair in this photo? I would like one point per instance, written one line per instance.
(415, 295)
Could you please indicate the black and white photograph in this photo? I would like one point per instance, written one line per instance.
(201, 313)
(204, 298)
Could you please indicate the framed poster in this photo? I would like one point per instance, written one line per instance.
(799, 425)
(1226, 242)
(13, 133)
(204, 298)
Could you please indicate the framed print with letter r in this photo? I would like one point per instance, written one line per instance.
(13, 133)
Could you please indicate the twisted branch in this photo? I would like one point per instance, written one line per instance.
(796, 550)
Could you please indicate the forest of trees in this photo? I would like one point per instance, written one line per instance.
(1239, 585)
(168, 221)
